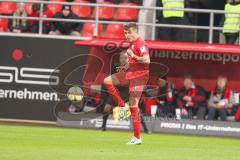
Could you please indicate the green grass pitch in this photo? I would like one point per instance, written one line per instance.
(49, 143)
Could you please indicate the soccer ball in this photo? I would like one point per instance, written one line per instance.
(75, 94)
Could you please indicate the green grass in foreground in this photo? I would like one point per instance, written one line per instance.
(45, 143)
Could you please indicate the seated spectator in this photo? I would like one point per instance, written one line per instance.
(221, 100)
(65, 28)
(166, 97)
(19, 25)
(149, 99)
(237, 114)
(34, 24)
(163, 95)
(191, 99)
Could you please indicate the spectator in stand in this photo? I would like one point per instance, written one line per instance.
(65, 28)
(167, 95)
(237, 114)
(192, 99)
(18, 25)
(221, 100)
(164, 96)
(34, 24)
(231, 25)
(174, 17)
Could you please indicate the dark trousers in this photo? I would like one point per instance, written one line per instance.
(200, 112)
(213, 114)
(231, 37)
(35, 28)
(166, 110)
(175, 34)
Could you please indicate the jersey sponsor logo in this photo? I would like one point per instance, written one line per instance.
(27, 75)
(143, 49)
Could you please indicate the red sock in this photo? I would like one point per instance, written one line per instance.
(115, 94)
(136, 121)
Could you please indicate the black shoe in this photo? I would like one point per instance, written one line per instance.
(147, 131)
(104, 129)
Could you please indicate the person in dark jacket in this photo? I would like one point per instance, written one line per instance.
(192, 99)
(163, 96)
(34, 24)
(167, 97)
(65, 28)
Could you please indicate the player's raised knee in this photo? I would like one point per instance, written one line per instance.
(107, 80)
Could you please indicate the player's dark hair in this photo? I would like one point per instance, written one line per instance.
(222, 77)
(130, 25)
(36, 7)
(188, 76)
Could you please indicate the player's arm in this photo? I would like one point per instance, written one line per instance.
(144, 59)
(123, 67)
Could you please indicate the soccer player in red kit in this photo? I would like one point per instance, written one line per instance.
(135, 76)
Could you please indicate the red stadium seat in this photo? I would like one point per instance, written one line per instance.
(88, 29)
(104, 12)
(28, 8)
(7, 7)
(55, 7)
(127, 14)
(81, 11)
(115, 31)
(3, 25)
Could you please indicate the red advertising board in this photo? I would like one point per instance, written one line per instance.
(203, 61)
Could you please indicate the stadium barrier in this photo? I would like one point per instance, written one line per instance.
(155, 125)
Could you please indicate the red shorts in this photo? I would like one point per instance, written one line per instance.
(134, 80)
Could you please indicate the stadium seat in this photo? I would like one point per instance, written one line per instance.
(127, 14)
(3, 25)
(7, 7)
(88, 29)
(104, 12)
(55, 7)
(81, 11)
(28, 8)
(114, 31)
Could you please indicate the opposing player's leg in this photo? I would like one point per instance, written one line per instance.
(106, 111)
(117, 79)
(110, 83)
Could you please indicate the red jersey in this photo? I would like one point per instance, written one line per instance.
(46, 14)
(139, 48)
